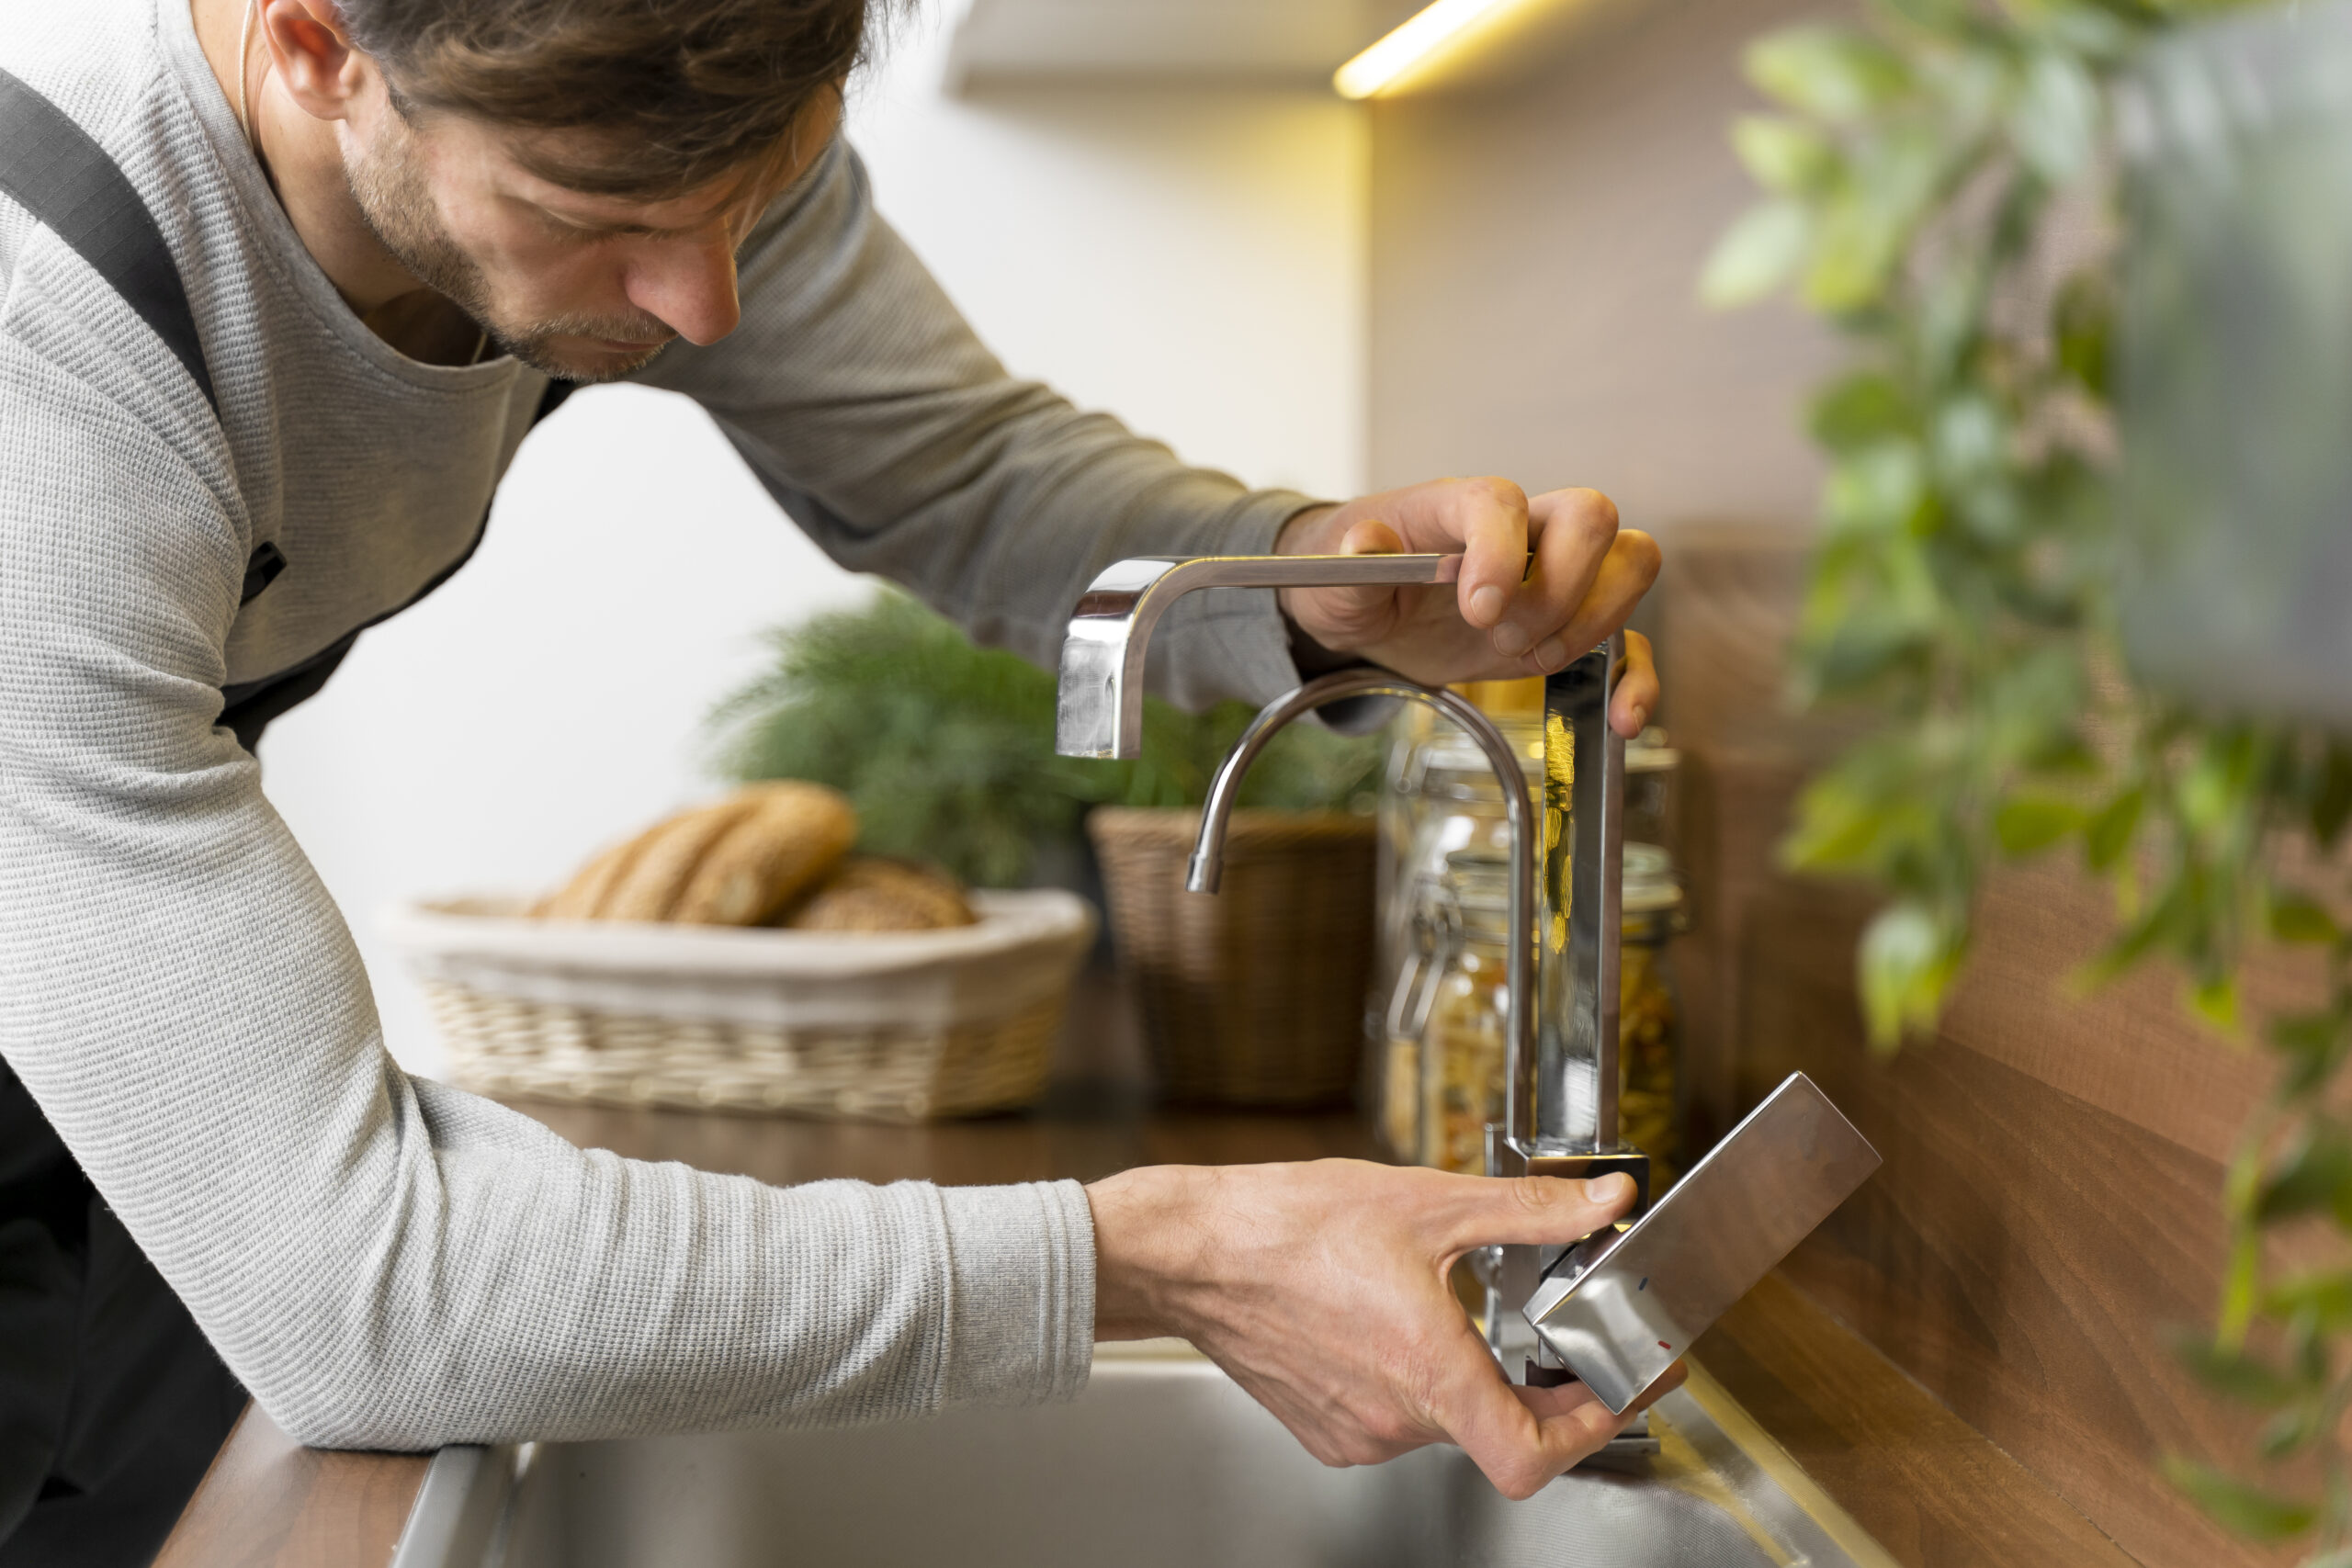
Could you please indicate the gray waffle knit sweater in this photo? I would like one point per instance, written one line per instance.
(383, 1260)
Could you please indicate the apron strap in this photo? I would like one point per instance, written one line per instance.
(67, 182)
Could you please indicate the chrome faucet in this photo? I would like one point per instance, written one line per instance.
(1099, 711)
(1561, 1083)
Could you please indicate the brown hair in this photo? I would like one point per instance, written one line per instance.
(680, 91)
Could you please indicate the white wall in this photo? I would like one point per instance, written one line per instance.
(1535, 253)
(1191, 258)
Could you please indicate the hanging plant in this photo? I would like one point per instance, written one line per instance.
(1963, 592)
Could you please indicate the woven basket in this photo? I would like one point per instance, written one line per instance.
(902, 1026)
(1255, 996)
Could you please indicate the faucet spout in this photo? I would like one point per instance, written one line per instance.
(1207, 866)
(1100, 709)
(1560, 1031)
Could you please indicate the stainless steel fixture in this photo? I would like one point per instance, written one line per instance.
(1162, 1462)
(1560, 1114)
(1619, 1310)
(1622, 1308)
(1100, 709)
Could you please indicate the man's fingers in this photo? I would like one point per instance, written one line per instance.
(1574, 530)
(1491, 520)
(1373, 537)
(1522, 1437)
(1635, 697)
(1534, 1210)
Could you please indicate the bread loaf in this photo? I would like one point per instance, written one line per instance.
(735, 862)
(873, 894)
(793, 835)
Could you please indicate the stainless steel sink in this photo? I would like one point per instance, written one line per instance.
(1164, 1462)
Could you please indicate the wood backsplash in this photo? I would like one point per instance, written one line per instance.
(2048, 1210)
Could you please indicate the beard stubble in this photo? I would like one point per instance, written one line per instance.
(388, 186)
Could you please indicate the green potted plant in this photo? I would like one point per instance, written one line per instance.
(1974, 585)
(1254, 996)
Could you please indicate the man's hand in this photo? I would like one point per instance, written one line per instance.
(1322, 1289)
(1585, 578)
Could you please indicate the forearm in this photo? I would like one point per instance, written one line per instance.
(391, 1263)
(871, 411)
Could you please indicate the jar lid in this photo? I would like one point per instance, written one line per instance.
(1482, 879)
(1648, 752)
(1650, 887)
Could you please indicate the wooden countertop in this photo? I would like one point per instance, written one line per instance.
(1927, 1485)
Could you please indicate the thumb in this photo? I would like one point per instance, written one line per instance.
(1531, 1211)
(1369, 606)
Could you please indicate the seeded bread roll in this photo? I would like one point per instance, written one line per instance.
(873, 894)
(794, 834)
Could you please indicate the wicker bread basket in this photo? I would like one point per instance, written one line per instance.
(1255, 996)
(902, 1026)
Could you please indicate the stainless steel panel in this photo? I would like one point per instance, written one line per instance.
(1164, 1462)
(1619, 1310)
(1565, 1097)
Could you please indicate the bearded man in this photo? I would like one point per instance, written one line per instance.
(283, 285)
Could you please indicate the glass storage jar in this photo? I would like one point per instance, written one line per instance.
(1649, 1009)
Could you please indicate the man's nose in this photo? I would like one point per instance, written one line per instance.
(690, 285)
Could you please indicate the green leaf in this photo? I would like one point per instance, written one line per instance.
(1907, 963)
(2161, 923)
(2331, 799)
(1785, 156)
(1835, 73)
(2314, 1044)
(1756, 255)
(2314, 1176)
(2323, 1295)
(2055, 122)
(2297, 917)
(2216, 1001)
(2025, 825)
(2081, 321)
(2291, 1428)
(2109, 833)
(1864, 226)
(1971, 437)
(1876, 489)
(2244, 1378)
(1860, 411)
(2247, 1510)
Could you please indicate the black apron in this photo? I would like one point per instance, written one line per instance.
(111, 1401)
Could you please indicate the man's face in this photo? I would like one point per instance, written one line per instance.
(580, 286)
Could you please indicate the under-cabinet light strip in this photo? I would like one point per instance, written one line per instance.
(1409, 43)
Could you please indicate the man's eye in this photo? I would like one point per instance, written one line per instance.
(575, 233)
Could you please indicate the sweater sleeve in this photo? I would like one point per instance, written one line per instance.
(861, 397)
(386, 1262)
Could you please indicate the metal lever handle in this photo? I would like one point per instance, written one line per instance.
(1100, 709)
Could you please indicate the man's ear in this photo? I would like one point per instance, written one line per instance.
(313, 60)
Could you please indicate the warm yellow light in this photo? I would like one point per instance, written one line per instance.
(1413, 40)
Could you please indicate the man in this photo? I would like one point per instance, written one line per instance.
(399, 224)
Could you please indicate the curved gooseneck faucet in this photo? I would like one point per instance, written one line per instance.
(1562, 969)
(1207, 865)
